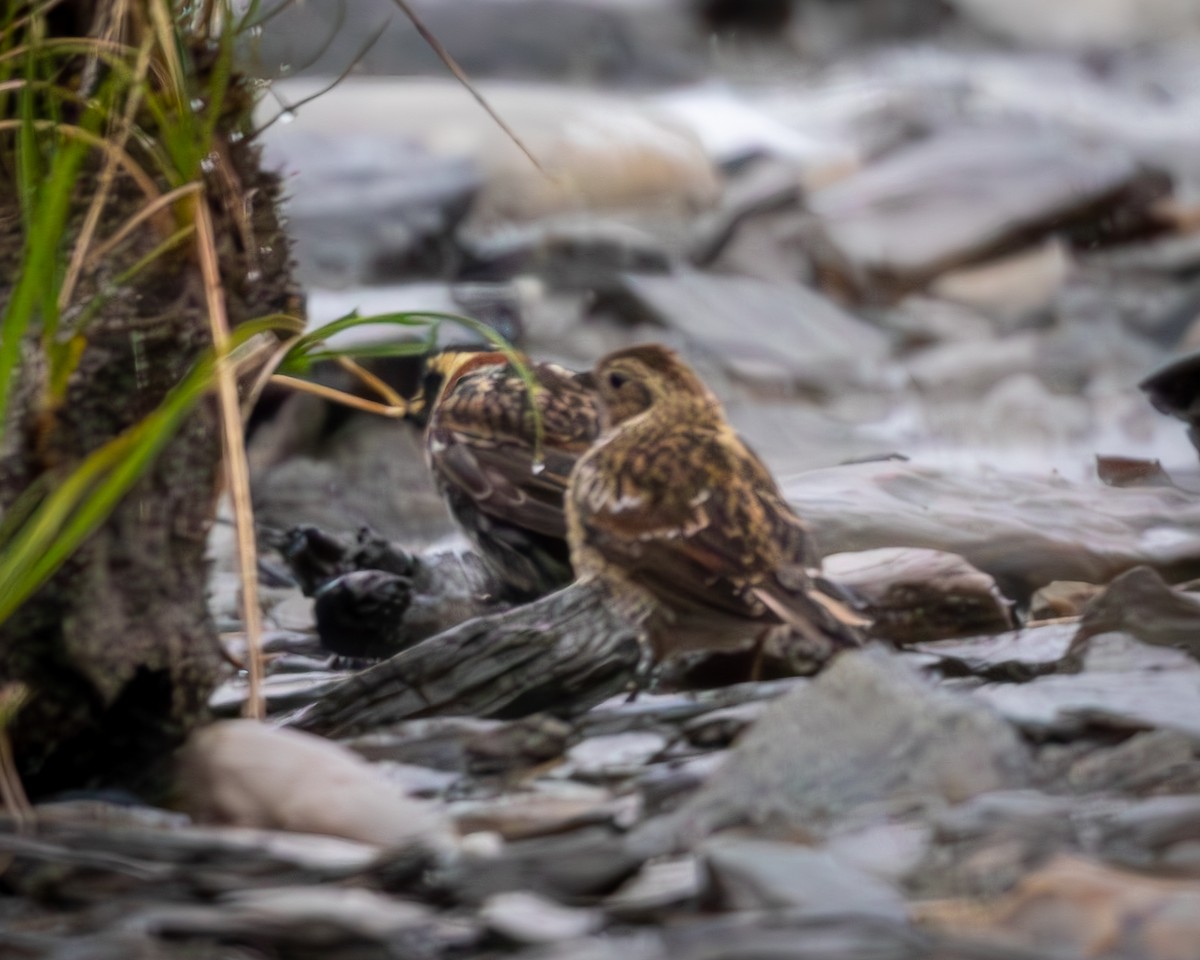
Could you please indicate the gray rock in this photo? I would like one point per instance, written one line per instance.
(527, 918)
(618, 755)
(1023, 530)
(1124, 685)
(866, 731)
(963, 194)
(744, 874)
(1138, 763)
(366, 207)
(658, 885)
(750, 325)
(1016, 655)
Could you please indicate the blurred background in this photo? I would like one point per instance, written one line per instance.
(956, 230)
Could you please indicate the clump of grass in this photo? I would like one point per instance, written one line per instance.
(128, 102)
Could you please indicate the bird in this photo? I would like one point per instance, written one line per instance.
(503, 484)
(683, 524)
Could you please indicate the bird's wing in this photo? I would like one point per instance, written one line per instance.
(698, 522)
(481, 444)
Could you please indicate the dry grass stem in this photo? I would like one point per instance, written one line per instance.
(373, 382)
(337, 396)
(151, 209)
(107, 175)
(237, 472)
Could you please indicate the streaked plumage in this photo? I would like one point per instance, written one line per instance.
(683, 523)
(480, 442)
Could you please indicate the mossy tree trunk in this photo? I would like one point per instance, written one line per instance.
(118, 650)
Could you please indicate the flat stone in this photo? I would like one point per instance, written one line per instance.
(1026, 531)
(527, 918)
(1124, 685)
(866, 731)
(660, 884)
(516, 816)
(1016, 284)
(786, 327)
(618, 755)
(1013, 655)
(368, 206)
(963, 194)
(763, 875)
(246, 773)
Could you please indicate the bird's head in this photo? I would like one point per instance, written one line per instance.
(636, 379)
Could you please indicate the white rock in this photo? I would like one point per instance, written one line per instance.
(249, 774)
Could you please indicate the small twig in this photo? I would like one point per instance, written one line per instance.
(366, 376)
(461, 76)
(292, 108)
(337, 396)
(236, 469)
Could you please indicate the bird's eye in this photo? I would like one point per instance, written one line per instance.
(617, 380)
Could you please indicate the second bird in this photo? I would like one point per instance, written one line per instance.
(683, 524)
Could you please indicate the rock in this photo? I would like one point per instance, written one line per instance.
(367, 206)
(1138, 763)
(1124, 685)
(1085, 24)
(598, 152)
(521, 815)
(1139, 602)
(527, 918)
(962, 195)
(568, 254)
(922, 322)
(249, 774)
(1024, 531)
(1008, 286)
(313, 916)
(866, 731)
(659, 885)
(914, 595)
(970, 366)
(786, 328)
(745, 874)
(1062, 598)
(733, 128)
(1080, 908)
(721, 727)
(1150, 834)
(889, 851)
(615, 756)
(1014, 656)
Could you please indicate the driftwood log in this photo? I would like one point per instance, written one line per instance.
(561, 654)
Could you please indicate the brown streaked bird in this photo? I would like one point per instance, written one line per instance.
(684, 524)
(481, 447)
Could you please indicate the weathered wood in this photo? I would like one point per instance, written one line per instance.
(562, 654)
